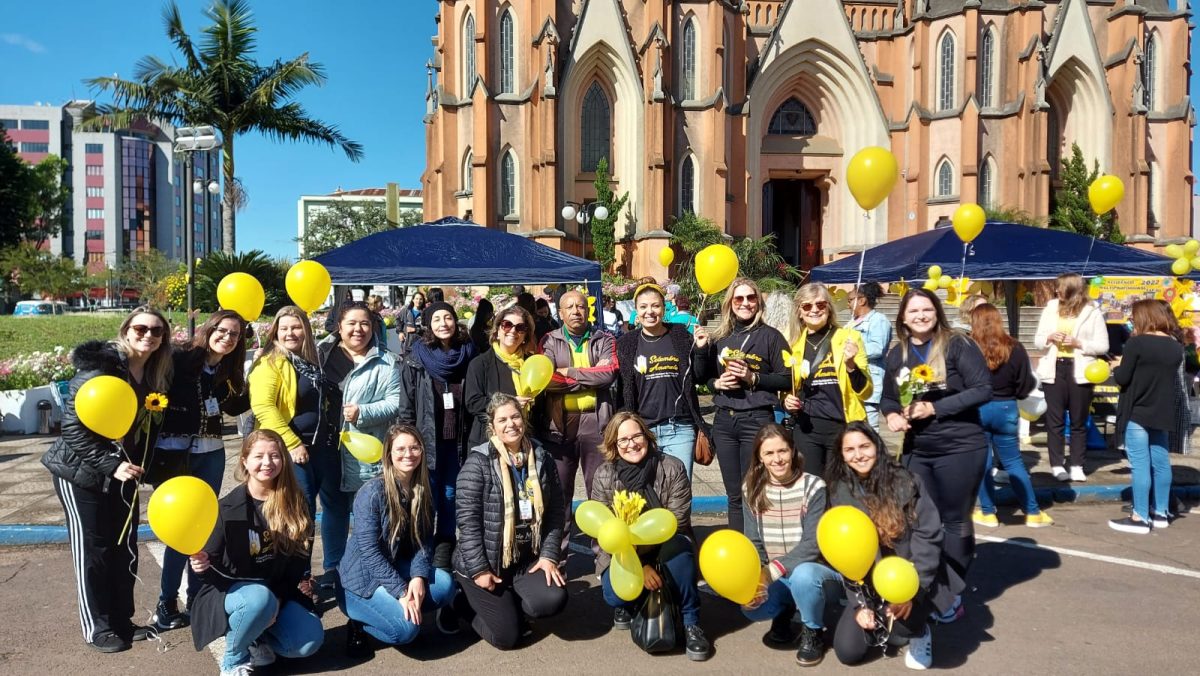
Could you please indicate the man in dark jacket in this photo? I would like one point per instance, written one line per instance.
(578, 403)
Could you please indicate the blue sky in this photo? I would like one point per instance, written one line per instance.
(374, 54)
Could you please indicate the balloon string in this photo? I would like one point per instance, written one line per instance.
(1088, 260)
(962, 270)
(863, 256)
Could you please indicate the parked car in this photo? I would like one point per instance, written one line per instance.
(35, 308)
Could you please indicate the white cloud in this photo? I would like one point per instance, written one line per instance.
(18, 40)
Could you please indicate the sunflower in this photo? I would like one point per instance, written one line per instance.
(156, 402)
(923, 373)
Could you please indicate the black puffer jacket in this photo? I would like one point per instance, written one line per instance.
(190, 386)
(480, 503)
(80, 455)
(681, 342)
(417, 408)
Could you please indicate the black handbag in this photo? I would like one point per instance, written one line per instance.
(658, 626)
(164, 465)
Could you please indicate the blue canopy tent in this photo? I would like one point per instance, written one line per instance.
(1004, 251)
(455, 252)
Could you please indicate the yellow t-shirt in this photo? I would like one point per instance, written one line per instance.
(1066, 325)
(579, 402)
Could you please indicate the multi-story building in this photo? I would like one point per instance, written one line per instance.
(127, 185)
(309, 206)
(747, 112)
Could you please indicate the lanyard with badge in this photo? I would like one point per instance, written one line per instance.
(212, 407)
(524, 492)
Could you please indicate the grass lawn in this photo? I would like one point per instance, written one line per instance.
(22, 335)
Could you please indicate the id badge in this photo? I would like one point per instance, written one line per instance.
(526, 508)
(211, 407)
(447, 401)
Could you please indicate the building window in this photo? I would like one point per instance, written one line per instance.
(507, 53)
(95, 214)
(987, 179)
(1152, 189)
(689, 60)
(945, 179)
(987, 65)
(1148, 71)
(727, 63)
(93, 234)
(9, 124)
(597, 128)
(93, 148)
(42, 125)
(95, 191)
(946, 72)
(95, 170)
(792, 119)
(35, 147)
(508, 185)
(466, 170)
(687, 186)
(468, 52)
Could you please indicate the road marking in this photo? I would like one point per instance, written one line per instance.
(157, 549)
(1156, 567)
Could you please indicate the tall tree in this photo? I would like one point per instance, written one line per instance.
(604, 229)
(343, 222)
(1072, 211)
(14, 192)
(49, 197)
(220, 84)
(37, 271)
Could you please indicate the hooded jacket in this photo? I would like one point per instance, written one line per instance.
(374, 385)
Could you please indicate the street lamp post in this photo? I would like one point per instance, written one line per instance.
(190, 140)
(583, 215)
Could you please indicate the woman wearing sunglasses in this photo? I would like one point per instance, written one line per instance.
(499, 369)
(829, 376)
(209, 382)
(742, 362)
(96, 479)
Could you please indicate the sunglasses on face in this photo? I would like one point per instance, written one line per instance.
(819, 306)
(142, 329)
(521, 327)
(748, 298)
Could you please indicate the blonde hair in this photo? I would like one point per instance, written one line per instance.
(1070, 285)
(286, 511)
(274, 350)
(159, 365)
(728, 319)
(809, 293)
(419, 517)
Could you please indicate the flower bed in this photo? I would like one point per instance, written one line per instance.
(33, 370)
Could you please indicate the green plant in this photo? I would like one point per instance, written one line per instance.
(691, 233)
(604, 229)
(31, 270)
(255, 263)
(1003, 214)
(757, 257)
(1071, 210)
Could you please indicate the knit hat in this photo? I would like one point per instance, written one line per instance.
(427, 314)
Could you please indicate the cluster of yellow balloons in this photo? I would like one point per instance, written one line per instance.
(308, 284)
(618, 538)
(1185, 255)
(850, 543)
(870, 175)
(1105, 193)
(536, 372)
(182, 513)
(716, 268)
(936, 279)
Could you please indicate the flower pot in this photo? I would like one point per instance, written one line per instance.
(18, 409)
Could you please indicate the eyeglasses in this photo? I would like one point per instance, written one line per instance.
(509, 326)
(407, 450)
(222, 333)
(748, 298)
(629, 441)
(819, 306)
(142, 329)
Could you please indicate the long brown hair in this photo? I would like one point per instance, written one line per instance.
(286, 511)
(728, 319)
(274, 350)
(1071, 293)
(530, 345)
(1151, 314)
(888, 491)
(418, 518)
(159, 366)
(608, 448)
(987, 330)
(754, 487)
(942, 331)
(232, 367)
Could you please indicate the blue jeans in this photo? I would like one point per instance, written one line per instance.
(805, 589)
(442, 481)
(1151, 469)
(250, 607)
(999, 419)
(677, 440)
(872, 414)
(382, 615)
(679, 558)
(322, 475)
(209, 468)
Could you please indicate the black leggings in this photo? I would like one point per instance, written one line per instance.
(733, 435)
(498, 612)
(951, 481)
(815, 438)
(851, 643)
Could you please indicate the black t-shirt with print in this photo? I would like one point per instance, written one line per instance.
(657, 367)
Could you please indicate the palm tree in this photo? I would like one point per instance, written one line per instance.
(221, 85)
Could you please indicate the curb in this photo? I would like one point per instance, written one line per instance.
(23, 534)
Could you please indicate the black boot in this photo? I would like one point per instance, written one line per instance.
(812, 647)
(781, 633)
(358, 643)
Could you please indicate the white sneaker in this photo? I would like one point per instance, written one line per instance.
(920, 652)
(1077, 473)
(261, 654)
(1060, 473)
(239, 670)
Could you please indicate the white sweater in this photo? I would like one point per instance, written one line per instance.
(1089, 329)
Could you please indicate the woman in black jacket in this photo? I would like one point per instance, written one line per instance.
(510, 525)
(656, 377)
(863, 476)
(96, 478)
(209, 381)
(256, 590)
(499, 369)
(944, 442)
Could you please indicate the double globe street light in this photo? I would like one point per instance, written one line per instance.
(583, 214)
(190, 140)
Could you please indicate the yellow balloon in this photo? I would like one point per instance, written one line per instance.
(945, 281)
(536, 373)
(653, 527)
(1196, 263)
(614, 536)
(308, 285)
(1181, 266)
(625, 574)
(666, 256)
(1096, 372)
(364, 447)
(930, 285)
(935, 272)
(243, 294)
(968, 221)
(895, 579)
(848, 541)
(730, 564)
(182, 513)
(107, 405)
(870, 176)
(1173, 250)
(716, 268)
(1105, 193)
(1191, 248)
(591, 515)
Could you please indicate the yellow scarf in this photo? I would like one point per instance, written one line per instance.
(510, 516)
(514, 361)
